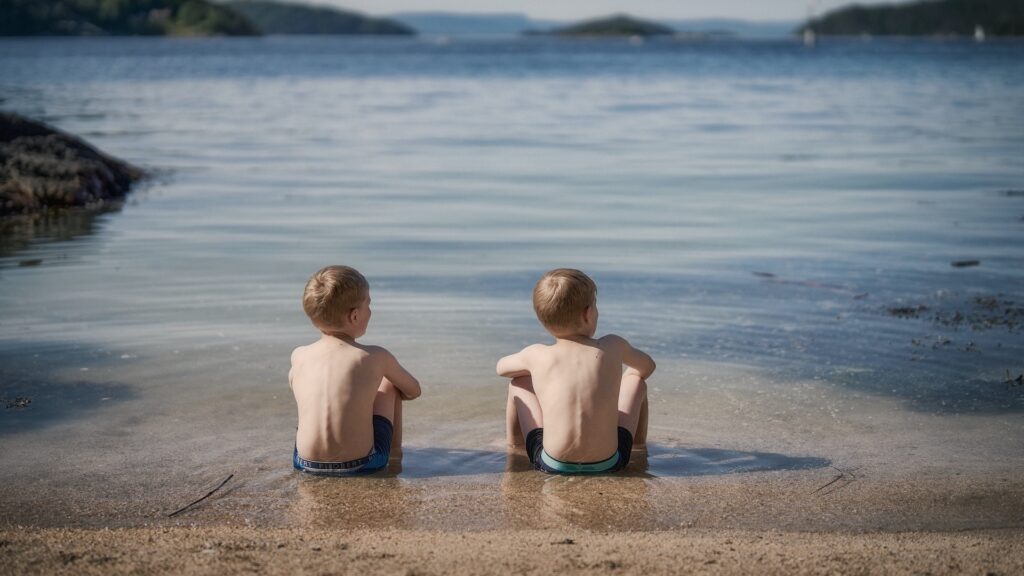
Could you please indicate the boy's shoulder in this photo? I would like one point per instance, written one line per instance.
(606, 342)
(375, 352)
(534, 349)
(612, 342)
(319, 350)
(300, 352)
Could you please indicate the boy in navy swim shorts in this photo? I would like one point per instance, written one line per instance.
(570, 403)
(349, 395)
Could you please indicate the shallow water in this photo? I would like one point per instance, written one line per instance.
(751, 211)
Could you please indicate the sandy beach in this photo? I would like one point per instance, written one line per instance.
(815, 521)
(390, 551)
(787, 484)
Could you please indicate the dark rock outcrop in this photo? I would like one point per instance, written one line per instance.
(41, 167)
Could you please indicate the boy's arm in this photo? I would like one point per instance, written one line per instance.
(291, 369)
(408, 386)
(637, 360)
(515, 365)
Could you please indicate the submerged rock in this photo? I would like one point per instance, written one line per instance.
(42, 167)
(965, 263)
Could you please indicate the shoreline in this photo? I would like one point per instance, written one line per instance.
(390, 551)
(845, 499)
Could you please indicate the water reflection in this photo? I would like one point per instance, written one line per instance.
(633, 499)
(535, 500)
(420, 490)
(19, 232)
(439, 462)
(382, 500)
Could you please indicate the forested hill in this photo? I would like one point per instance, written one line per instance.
(618, 25)
(929, 18)
(282, 18)
(120, 18)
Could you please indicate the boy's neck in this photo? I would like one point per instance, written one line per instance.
(339, 335)
(577, 338)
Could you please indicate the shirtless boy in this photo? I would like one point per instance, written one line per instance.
(570, 402)
(349, 394)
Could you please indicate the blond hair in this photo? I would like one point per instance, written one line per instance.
(332, 293)
(561, 296)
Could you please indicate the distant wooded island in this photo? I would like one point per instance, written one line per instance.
(254, 17)
(493, 24)
(617, 25)
(282, 18)
(183, 18)
(927, 18)
(121, 18)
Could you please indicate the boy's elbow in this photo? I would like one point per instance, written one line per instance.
(645, 369)
(414, 391)
(503, 370)
(513, 373)
(648, 366)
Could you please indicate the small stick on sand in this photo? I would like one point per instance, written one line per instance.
(1010, 382)
(842, 475)
(208, 494)
(829, 483)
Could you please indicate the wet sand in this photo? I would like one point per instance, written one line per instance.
(723, 457)
(390, 551)
(719, 518)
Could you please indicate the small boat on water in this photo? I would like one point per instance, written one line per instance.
(810, 38)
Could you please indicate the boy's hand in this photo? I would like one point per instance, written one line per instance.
(408, 386)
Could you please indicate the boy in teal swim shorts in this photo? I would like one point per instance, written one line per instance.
(349, 395)
(570, 403)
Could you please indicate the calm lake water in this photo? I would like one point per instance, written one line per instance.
(756, 215)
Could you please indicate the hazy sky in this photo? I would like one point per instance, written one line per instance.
(577, 9)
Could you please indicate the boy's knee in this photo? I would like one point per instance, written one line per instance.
(636, 383)
(386, 387)
(524, 382)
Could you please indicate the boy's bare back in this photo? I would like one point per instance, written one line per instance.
(335, 382)
(577, 383)
(570, 403)
(348, 394)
